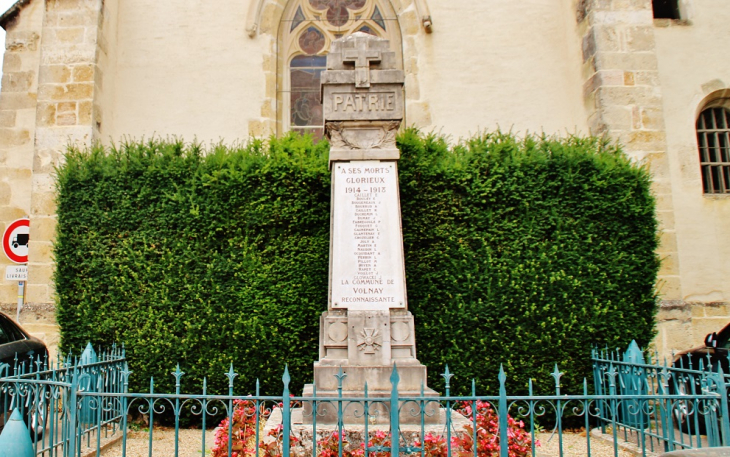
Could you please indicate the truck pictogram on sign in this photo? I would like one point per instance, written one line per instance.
(15, 240)
(20, 240)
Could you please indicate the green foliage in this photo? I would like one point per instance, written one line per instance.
(525, 253)
(203, 259)
(520, 252)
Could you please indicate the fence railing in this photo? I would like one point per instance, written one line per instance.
(685, 418)
(43, 391)
(86, 405)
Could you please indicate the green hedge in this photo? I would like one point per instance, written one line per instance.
(518, 251)
(525, 253)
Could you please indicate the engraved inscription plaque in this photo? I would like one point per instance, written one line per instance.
(343, 103)
(367, 257)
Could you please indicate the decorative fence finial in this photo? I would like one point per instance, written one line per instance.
(15, 438)
(231, 375)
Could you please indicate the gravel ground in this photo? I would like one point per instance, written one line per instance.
(189, 445)
(163, 444)
(575, 445)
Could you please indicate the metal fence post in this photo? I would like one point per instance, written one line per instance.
(666, 408)
(340, 418)
(231, 375)
(125, 389)
(88, 416)
(286, 413)
(557, 375)
(447, 386)
(631, 411)
(503, 435)
(71, 408)
(178, 375)
(394, 414)
(719, 379)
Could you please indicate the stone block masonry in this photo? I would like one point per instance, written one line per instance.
(17, 127)
(623, 99)
(64, 115)
(46, 103)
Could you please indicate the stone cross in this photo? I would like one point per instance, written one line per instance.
(362, 57)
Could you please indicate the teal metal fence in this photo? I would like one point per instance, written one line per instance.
(664, 406)
(86, 404)
(43, 396)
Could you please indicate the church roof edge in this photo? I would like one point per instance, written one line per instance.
(12, 12)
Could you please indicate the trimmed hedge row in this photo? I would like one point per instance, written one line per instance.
(524, 252)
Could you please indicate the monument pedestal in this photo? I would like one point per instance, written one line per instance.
(361, 348)
(378, 404)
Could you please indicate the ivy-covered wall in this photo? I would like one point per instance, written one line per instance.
(522, 252)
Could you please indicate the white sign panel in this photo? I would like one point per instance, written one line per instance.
(16, 273)
(367, 244)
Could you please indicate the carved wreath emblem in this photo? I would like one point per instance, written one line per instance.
(369, 340)
(338, 137)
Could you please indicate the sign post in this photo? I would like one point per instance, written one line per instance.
(15, 246)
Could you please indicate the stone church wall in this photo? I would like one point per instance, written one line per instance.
(693, 70)
(191, 72)
(502, 66)
(504, 76)
(18, 102)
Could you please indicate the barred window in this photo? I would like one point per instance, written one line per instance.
(713, 138)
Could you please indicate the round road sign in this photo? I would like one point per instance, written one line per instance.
(15, 240)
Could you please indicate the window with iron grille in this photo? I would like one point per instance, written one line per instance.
(713, 138)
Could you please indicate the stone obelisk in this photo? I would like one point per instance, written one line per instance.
(367, 326)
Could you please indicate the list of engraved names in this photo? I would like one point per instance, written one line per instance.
(367, 258)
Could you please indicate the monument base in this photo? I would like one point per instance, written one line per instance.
(360, 349)
(411, 412)
(411, 374)
(354, 433)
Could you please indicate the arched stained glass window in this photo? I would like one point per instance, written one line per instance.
(307, 30)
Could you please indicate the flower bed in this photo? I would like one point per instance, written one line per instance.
(481, 413)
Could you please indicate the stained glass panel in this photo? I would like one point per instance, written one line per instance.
(306, 103)
(356, 4)
(368, 30)
(306, 78)
(338, 15)
(298, 19)
(309, 61)
(338, 10)
(311, 40)
(317, 133)
(306, 109)
(311, 25)
(320, 4)
(378, 18)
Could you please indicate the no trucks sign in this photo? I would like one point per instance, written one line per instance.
(15, 240)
